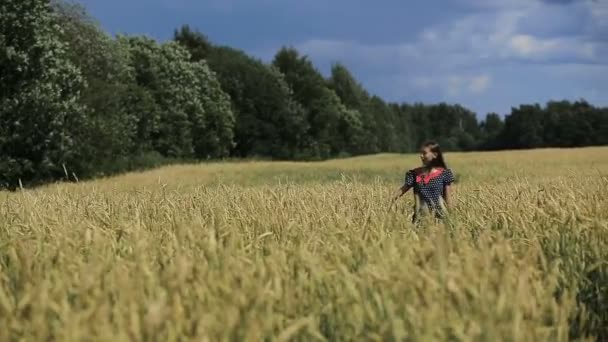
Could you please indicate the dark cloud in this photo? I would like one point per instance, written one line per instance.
(561, 2)
(485, 54)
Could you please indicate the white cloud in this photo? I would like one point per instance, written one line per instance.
(326, 48)
(526, 45)
(553, 49)
(422, 82)
(480, 52)
(496, 4)
(497, 37)
(376, 56)
(479, 84)
(219, 6)
(599, 11)
(454, 85)
(473, 41)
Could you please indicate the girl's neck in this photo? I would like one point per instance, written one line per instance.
(430, 168)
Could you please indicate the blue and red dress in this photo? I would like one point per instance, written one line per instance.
(429, 190)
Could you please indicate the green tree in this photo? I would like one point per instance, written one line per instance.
(269, 123)
(215, 138)
(111, 131)
(195, 120)
(384, 125)
(523, 128)
(196, 42)
(40, 112)
(492, 125)
(356, 98)
(404, 129)
(467, 132)
(349, 90)
(160, 70)
(491, 128)
(324, 111)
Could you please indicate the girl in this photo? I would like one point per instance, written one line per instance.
(431, 183)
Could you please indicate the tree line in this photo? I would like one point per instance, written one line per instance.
(78, 103)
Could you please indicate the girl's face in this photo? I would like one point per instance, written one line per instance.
(427, 156)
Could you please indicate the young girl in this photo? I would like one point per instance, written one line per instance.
(431, 183)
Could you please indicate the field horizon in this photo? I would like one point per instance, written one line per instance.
(268, 250)
(408, 160)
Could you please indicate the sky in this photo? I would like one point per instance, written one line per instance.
(487, 55)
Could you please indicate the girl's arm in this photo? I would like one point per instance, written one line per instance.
(400, 192)
(407, 185)
(447, 192)
(448, 180)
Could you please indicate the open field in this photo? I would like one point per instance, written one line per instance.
(310, 251)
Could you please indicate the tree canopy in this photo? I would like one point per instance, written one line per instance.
(76, 101)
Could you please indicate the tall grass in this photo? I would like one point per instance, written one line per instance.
(310, 251)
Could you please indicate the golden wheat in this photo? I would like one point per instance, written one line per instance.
(310, 251)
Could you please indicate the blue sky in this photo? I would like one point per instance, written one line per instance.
(487, 55)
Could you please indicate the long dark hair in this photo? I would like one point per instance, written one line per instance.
(435, 148)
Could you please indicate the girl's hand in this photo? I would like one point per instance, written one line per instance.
(392, 201)
(400, 192)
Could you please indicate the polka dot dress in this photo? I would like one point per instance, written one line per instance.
(429, 189)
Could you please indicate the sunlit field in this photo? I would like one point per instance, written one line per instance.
(256, 251)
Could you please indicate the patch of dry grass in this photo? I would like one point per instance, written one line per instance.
(310, 251)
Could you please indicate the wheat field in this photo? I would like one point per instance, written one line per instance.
(265, 251)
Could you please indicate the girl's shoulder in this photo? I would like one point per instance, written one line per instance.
(417, 171)
(420, 170)
(448, 175)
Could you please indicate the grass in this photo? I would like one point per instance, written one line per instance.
(310, 251)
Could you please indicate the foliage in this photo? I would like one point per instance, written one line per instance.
(40, 113)
(110, 131)
(327, 117)
(269, 123)
(195, 116)
(75, 97)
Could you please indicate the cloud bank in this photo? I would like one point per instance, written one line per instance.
(487, 55)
